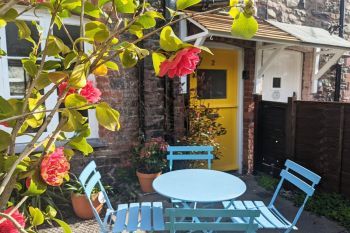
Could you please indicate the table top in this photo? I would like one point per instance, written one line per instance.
(199, 185)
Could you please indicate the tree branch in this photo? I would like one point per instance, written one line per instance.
(8, 6)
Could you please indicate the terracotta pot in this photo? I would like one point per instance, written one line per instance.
(146, 181)
(82, 207)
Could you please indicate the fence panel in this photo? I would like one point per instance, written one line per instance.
(314, 134)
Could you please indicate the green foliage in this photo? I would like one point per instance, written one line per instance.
(267, 182)
(331, 205)
(183, 4)
(204, 128)
(107, 117)
(157, 59)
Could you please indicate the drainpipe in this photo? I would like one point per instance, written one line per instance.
(338, 73)
(141, 99)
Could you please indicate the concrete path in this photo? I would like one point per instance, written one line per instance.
(308, 223)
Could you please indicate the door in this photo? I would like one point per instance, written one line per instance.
(216, 85)
(283, 77)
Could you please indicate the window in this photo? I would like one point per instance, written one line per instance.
(211, 84)
(276, 82)
(13, 78)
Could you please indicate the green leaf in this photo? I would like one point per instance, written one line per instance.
(168, 40)
(42, 81)
(75, 120)
(183, 4)
(107, 116)
(55, 46)
(6, 109)
(157, 59)
(97, 31)
(155, 14)
(71, 4)
(128, 58)
(23, 29)
(234, 12)
(36, 215)
(244, 26)
(50, 211)
(146, 21)
(75, 101)
(136, 30)
(2, 23)
(78, 76)
(69, 59)
(57, 77)
(112, 65)
(69, 153)
(52, 65)
(125, 6)
(36, 187)
(79, 143)
(5, 140)
(10, 15)
(65, 227)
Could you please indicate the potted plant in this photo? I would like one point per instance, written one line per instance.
(150, 159)
(80, 203)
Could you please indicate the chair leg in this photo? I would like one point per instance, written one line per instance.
(289, 230)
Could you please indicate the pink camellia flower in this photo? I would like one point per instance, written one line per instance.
(91, 93)
(62, 87)
(54, 167)
(183, 63)
(7, 226)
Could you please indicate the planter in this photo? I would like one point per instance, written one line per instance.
(146, 181)
(82, 207)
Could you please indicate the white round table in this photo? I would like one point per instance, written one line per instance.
(199, 185)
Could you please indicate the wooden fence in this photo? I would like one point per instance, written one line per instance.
(314, 134)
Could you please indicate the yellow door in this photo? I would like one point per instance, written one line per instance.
(216, 85)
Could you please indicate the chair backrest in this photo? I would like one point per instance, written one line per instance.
(177, 215)
(89, 179)
(190, 153)
(302, 178)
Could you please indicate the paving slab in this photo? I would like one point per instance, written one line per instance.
(308, 222)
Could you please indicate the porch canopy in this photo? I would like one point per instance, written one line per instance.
(274, 35)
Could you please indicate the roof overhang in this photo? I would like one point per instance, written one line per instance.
(269, 31)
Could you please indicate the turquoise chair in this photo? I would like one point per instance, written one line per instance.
(195, 153)
(270, 217)
(145, 216)
(174, 224)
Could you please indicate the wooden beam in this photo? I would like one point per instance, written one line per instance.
(329, 64)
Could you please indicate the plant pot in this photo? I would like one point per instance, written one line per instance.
(82, 207)
(146, 181)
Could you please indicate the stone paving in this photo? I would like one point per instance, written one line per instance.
(308, 223)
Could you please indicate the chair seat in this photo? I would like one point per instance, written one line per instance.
(145, 216)
(270, 218)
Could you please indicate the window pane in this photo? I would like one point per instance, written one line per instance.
(211, 84)
(17, 47)
(17, 78)
(74, 32)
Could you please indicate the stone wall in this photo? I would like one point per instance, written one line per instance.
(316, 13)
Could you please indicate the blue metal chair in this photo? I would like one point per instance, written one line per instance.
(195, 153)
(270, 217)
(128, 217)
(174, 224)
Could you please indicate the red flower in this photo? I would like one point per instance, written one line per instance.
(7, 226)
(183, 63)
(28, 181)
(62, 87)
(5, 124)
(91, 93)
(54, 167)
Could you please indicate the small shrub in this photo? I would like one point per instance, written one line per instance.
(267, 182)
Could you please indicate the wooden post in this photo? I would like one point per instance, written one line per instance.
(257, 146)
(290, 128)
(340, 146)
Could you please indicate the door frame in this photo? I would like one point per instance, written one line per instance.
(240, 93)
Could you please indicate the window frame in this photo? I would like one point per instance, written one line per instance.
(43, 18)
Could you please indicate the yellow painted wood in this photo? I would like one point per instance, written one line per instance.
(228, 107)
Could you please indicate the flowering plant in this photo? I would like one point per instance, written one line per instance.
(150, 157)
(113, 29)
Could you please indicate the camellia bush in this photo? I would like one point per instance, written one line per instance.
(114, 29)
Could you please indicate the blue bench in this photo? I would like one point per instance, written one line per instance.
(146, 216)
(270, 217)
